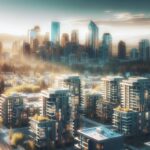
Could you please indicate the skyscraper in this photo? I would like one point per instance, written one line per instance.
(134, 55)
(93, 35)
(35, 39)
(34, 34)
(106, 48)
(55, 32)
(144, 49)
(122, 50)
(75, 37)
(64, 39)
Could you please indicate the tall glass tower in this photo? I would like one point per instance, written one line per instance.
(144, 49)
(93, 35)
(55, 32)
(106, 47)
(122, 50)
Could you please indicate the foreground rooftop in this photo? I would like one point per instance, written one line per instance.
(99, 134)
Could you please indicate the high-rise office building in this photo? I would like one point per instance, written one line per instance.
(75, 37)
(134, 54)
(144, 50)
(93, 35)
(64, 39)
(122, 50)
(55, 32)
(35, 38)
(106, 48)
(34, 34)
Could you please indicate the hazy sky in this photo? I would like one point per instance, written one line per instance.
(128, 20)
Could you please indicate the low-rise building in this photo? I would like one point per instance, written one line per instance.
(98, 138)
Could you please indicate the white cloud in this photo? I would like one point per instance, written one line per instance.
(128, 16)
(108, 11)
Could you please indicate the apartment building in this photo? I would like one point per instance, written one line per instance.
(126, 121)
(135, 93)
(57, 108)
(43, 131)
(132, 116)
(110, 88)
(16, 108)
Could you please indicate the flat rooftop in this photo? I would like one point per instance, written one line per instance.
(132, 80)
(100, 133)
(111, 78)
(55, 91)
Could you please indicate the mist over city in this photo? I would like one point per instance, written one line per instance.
(74, 75)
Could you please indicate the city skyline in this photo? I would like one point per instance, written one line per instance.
(120, 19)
(74, 75)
